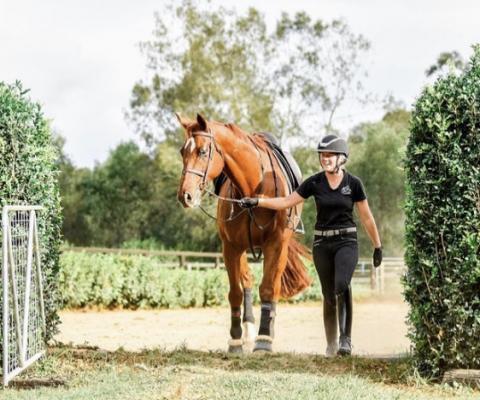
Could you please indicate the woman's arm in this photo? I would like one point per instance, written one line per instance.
(368, 222)
(280, 203)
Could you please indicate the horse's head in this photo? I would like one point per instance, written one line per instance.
(202, 160)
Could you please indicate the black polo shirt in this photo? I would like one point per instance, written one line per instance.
(334, 207)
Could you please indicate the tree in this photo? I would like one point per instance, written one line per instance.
(377, 152)
(117, 196)
(451, 59)
(209, 63)
(228, 66)
(314, 65)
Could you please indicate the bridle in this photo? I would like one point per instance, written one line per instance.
(204, 174)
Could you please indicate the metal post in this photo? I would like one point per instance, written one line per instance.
(5, 297)
(39, 274)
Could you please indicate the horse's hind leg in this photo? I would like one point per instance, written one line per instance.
(248, 318)
(232, 257)
(275, 253)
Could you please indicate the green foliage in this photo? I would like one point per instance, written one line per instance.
(142, 282)
(452, 59)
(229, 67)
(130, 201)
(442, 223)
(28, 175)
(202, 60)
(377, 151)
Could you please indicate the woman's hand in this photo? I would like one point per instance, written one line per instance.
(377, 257)
(249, 202)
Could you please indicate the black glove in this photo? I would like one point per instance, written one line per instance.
(377, 257)
(249, 202)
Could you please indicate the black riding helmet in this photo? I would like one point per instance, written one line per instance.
(333, 144)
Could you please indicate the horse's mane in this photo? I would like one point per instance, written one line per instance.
(240, 133)
(236, 131)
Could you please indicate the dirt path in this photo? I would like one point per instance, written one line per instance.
(378, 328)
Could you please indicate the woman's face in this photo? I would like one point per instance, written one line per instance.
(328, 161)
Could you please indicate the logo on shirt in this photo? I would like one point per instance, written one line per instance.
(346, 190)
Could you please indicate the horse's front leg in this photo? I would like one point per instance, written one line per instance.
(248, 319)
(275, 252)
(232, 257)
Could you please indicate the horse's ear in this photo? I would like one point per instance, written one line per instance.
(183, 121)
(202, 123)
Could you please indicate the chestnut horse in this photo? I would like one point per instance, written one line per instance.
(211, 148)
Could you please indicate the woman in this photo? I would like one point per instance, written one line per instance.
(335, 248)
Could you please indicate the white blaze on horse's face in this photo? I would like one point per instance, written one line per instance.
(190, 145)
(194, 163)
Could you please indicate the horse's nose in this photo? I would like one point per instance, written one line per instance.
(186, 200)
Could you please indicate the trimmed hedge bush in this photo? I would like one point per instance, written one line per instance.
(110, 281)
(442, 224)
(28, 175)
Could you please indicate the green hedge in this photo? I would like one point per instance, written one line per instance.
(111, 281)
(443, 224)
(28, 175)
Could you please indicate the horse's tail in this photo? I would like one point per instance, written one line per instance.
(295, 277)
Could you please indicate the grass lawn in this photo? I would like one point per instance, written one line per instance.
(89, 373)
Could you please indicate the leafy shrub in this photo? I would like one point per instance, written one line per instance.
(28, 175)
(442, 223)
(110, 281)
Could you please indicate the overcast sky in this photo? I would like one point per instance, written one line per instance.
(81, 58)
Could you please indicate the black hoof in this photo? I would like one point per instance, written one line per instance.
(235, 346)
(235, 349)
(263, 343)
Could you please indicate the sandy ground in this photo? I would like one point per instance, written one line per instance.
(378, 328)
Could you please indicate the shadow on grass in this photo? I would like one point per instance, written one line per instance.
(393, 370)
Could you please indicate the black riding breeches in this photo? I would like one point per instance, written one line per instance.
(335, 259)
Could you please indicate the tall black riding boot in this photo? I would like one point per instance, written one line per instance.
(330, 324)
(344, 308)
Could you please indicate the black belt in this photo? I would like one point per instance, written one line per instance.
(335, 232)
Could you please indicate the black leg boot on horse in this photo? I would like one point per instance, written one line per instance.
(265, 336)
(235, 344)
(330, 324)
(344, 305)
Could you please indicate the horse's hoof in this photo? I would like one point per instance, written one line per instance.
(235, 346)
(263, 343)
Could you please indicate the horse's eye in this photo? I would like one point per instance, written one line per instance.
(202, 152)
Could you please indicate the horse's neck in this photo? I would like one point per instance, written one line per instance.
(242, 161)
